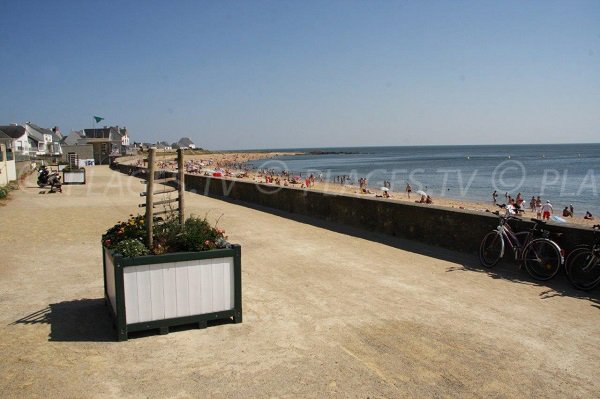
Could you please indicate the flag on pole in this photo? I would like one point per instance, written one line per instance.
(98, 119)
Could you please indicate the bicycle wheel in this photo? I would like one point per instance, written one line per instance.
(491, 249)
(542, 259)
(583, 269)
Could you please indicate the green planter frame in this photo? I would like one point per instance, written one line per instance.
(120, 264)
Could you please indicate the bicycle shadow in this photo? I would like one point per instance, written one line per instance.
(559, 286)
(469, 262)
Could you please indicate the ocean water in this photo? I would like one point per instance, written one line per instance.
(562, 173)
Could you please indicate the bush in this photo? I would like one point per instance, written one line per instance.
(199, 235)
(195, 234)
(72, 169)
(133, 228)
(5, 190)
(131, 248)
(167, 236)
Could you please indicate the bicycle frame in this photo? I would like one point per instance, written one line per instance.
(518, 241)
(511, 238)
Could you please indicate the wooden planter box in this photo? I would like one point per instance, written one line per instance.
(74, 177)
(160, 291)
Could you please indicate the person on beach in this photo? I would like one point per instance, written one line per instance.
(588, 216)
(546, 210)
(532, 203)
(538, 208)
(494, 196)
(567, 212)
(408, 189)
(572, 210)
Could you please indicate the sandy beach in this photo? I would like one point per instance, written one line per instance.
(233, 164)
(327, 313)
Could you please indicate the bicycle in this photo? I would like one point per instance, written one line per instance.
(583, 264)
(540, 255)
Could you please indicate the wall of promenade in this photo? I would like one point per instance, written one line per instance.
(454, 229)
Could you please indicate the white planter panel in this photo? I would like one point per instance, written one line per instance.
(110, 280)
(73, 177)
(157, 297)
(168, 290)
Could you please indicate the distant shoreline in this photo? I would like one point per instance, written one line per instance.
(227, 161)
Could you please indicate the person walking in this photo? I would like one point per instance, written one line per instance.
(494, 196)
(408, 189)
(546, 210)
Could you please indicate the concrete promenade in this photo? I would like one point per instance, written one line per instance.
(327, 313)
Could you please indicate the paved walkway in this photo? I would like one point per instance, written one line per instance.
(325, 314)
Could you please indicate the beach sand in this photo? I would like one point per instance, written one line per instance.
(232, 160)
(327, 313)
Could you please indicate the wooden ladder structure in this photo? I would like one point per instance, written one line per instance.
(161, 200)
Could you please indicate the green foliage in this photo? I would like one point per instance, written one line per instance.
(133, 228)
(72, 169)
(131, 248)
(5, 190)
(199, 235)
(195, 234)
(167, 236)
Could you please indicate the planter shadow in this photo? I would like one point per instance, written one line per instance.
(83, 320)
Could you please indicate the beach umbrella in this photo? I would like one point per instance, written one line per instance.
(385, 189)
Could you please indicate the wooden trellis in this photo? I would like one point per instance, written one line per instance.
(150, 194)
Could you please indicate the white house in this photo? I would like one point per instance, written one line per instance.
(8, 170)
(124, 136)
(20, 140)
(43, 141)
(186, 143)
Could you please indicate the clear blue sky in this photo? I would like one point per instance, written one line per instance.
(275, 74)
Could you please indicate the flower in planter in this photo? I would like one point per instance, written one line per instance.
(131, 248)
(195, 234)
(133, 228)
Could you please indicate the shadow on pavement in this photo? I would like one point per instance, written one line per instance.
(83, 320)
(558, 286)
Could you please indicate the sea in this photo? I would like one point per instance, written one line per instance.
(564, 174)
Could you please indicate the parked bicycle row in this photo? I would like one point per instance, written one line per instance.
(539, 252)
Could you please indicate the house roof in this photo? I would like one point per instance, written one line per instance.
(102, 133)
(13, 131)
(4, 136)
(40, 129)
(73, 138)
(185, 142)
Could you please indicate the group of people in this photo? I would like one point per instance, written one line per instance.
(542, 210)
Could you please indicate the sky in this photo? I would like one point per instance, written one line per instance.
(294, 74)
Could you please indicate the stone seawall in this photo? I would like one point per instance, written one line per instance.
(458, 230)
